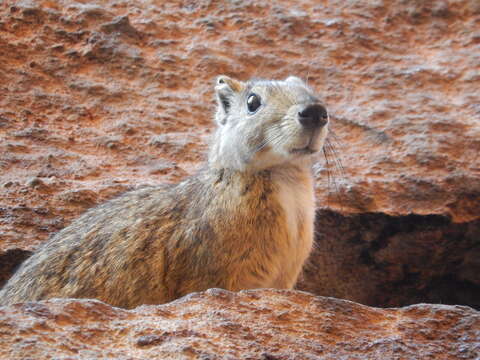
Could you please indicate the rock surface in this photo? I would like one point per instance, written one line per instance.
(99, 97)
(381, 260)
(259, 324)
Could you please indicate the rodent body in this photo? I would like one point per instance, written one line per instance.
(244, 221)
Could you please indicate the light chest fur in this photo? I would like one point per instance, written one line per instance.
(268, 232)
(295, 195)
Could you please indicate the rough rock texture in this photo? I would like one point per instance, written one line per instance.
(99, 97)
(381, 260)
(260, 324)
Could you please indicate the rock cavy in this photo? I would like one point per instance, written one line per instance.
(244, 221)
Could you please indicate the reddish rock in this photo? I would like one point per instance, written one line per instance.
(98, 98)
(260, 324)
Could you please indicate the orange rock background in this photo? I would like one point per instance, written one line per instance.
(100, 97)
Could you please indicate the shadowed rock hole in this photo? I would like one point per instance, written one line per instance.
(9, 261)
(391, 261)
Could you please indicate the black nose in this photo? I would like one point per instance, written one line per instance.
(313, 116)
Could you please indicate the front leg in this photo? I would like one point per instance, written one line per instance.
(286, 280)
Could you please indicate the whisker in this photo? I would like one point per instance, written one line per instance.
(337, 159)
(331, 148)
(268, 141)
(334, 167)
(334, 138)
(338, 166)
(262, 145)
(328, 174)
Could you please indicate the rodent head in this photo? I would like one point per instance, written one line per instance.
(266, 123)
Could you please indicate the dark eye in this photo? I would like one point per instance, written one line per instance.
(253, 103)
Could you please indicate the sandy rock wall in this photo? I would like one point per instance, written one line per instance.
(100, 97)
(259, 324)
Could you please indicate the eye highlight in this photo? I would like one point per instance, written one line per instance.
(253, 103)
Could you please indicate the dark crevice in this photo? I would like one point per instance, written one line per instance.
(391, 261)
(451, 290)
(9, 261)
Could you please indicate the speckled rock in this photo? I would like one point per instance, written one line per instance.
(103, 96)
(259, 324)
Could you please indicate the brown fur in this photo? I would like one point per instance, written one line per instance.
(224, 227)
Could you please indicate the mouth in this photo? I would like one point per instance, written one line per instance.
(307, 150)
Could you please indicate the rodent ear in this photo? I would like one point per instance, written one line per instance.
(235, 85)
(226, 88)
(295, 80)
